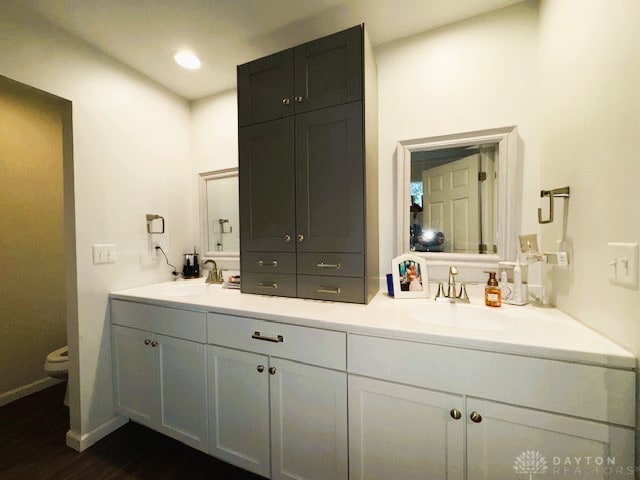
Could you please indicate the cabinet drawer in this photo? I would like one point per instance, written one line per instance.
(574, 389)
(337, 289)
(277, 284)
(270, 262)
(331, 264)
(309, 345)
(165, 321)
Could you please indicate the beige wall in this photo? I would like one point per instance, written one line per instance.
(32, 294)
(590, 123)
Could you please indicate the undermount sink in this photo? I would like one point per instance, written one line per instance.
(185, 290)
(460, 315)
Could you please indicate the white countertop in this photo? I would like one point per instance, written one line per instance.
(529, 330)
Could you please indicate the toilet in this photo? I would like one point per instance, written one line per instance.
(57, 366)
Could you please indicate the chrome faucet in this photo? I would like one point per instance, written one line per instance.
(451, 296)
(215, 276)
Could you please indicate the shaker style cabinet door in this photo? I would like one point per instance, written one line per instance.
(330, 180)
(265, 88)
(308, 422)
(401, 432)
(183, 391)
(134, 376)
(328, 71)
(239, 408)
(267, 187)
(504, 441)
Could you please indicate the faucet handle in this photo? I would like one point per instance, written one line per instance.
(440, 293)
(463, 293)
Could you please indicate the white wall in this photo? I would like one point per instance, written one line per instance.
(132, 157)
(590, 118)
(214, 143)
(459, 78)
(476, 74)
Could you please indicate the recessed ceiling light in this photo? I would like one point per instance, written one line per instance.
(187, 60)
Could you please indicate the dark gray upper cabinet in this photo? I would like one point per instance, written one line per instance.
(267, 186)
(330, 180)
(265, 88)
(308, 170)
(328, 71)
(317, 74)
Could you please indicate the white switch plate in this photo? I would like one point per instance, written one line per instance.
(104, 253)
(623, 264)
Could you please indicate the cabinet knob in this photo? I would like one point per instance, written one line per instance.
(154, 344)
(260, 368)
(287, 238)
(272, 370)
(455, 414)
(286, 101)
(299, 98)
(300, 238)
(475, 417)
(147, 341)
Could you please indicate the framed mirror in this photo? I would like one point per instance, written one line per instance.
(219, 213)
(456, 197)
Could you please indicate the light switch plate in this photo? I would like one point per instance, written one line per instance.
(623, 264)
(104, 253)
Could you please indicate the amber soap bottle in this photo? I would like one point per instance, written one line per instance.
(492, 293)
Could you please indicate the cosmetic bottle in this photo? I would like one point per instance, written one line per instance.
(492, 293)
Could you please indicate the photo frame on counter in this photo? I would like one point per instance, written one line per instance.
(410, 279)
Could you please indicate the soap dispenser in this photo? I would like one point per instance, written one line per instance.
(492, 293)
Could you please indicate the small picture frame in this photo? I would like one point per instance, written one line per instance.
(410, 279)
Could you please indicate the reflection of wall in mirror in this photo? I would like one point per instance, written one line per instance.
(223, 214)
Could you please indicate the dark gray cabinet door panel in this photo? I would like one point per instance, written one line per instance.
(329, 180)
(267, 186)
(265, 88)
(328, 71)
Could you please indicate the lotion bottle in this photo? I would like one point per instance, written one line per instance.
(492, 293)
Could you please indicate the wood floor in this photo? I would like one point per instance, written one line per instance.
(32, 447)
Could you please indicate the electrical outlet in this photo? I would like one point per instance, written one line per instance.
(104, 253)
(623, 264)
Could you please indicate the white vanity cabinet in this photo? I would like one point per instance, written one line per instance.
(270, 413)
(159, 362)
(496, 406)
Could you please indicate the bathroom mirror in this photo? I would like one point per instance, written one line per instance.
(219, 213)
(456, 197)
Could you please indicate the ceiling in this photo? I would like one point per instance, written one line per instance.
(143, 34)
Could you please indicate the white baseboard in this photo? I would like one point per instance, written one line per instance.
(81, 442)
(28, 389)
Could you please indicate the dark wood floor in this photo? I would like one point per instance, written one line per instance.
(32, 447)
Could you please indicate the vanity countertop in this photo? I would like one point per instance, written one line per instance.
(529, 330)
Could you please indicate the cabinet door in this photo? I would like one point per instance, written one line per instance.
(134, 376)
(401, 432)
(329, 180)
(182, 384)
(265, 88)
(308, 422)
(267, 187)
(328, 71)
(239, 408)
(511, 440)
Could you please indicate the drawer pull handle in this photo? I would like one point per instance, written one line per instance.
(329, 265)
(267, 285)
(272, 263)
(322, 289)
(154, 344)
(278, 339)
(475, 417)
(147, 341)
(272, 370)
(456, 414)
(260, 368)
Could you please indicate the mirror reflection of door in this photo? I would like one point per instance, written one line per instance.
(454, 199)
(452, 203)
